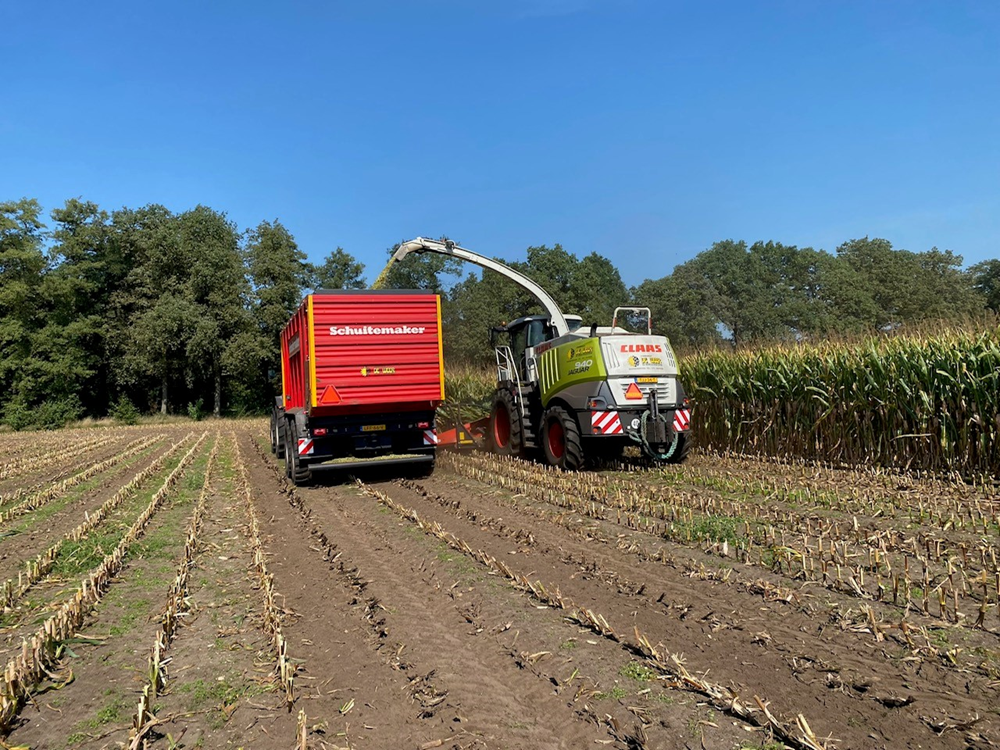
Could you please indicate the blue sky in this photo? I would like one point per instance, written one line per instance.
(644, 130)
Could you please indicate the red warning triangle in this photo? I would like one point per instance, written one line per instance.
(329, 396)
(633, 392)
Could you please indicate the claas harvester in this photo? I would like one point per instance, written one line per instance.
(569, 392)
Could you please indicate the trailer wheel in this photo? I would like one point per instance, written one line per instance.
(288, 451)
(296, 469)
(561, 439)
(277, 435)
(506, 431)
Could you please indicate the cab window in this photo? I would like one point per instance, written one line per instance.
(537, 332)
(518, 343)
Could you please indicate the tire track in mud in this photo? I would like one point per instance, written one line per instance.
(461, 674)
(343, 679)
(725, 640)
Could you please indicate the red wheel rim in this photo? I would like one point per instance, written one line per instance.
(501, 427)
(557, 439)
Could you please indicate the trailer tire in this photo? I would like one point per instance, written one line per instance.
(561, 439)
(288, 450)
(277, 435)
(296, 470)
(506, 433)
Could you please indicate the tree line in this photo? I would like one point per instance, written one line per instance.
(154, 310)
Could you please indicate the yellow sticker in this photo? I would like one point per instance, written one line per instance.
(646, 380)
(372, 427)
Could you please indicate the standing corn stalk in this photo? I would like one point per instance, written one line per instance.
(917, 402)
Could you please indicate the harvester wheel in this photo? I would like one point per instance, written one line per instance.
(561, 439)
(506, 431)
(683, 448)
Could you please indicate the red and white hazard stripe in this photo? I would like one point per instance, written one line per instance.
(430, 437)
(605, 423)
(305, 446)
(682, 420)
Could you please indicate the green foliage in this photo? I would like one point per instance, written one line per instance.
(616, 693)
(469, 395)
(195, 410)
(986, 280)
(340, 270)
(636, 671)
(124, 411)
(420, 271)
(771, 292)
(278, 274)
(591, 287)
(50, 414)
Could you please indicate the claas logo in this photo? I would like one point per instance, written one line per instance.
(642, 348)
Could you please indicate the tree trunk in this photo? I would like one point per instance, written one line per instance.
(217, 411)
(163, 395)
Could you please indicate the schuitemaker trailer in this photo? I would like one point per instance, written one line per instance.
(361, 376)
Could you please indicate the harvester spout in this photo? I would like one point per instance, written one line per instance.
(447, 247)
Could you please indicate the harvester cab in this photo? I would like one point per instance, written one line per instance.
(569, 393)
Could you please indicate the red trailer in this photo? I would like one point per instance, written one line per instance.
(361, 377)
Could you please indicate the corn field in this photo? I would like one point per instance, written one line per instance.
(927, 403)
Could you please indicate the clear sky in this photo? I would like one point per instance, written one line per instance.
(641, 129)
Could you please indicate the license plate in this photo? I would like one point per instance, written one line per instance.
(646, 380)
(372, 428)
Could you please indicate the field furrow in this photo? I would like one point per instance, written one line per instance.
(727, 603)
(60, 463)
(956, 583)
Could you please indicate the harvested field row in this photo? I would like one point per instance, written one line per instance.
(495, 604)
(958, 583)
(37, 499)
(34, 570)
(42, 653)
(35, 455)
(58, 465)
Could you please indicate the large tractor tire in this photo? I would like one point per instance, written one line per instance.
(506, 432)
(561, 439)
(295, 469)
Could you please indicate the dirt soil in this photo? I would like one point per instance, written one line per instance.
(465, 610)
